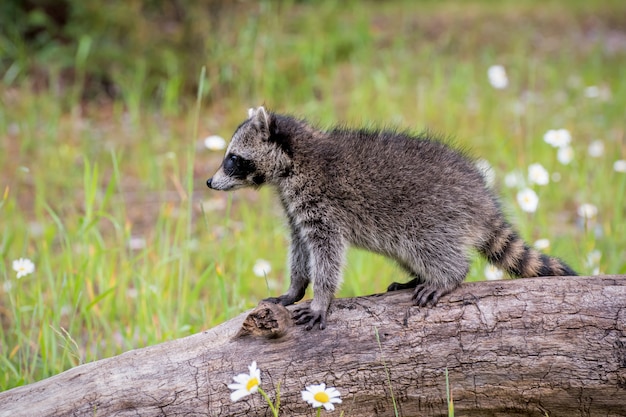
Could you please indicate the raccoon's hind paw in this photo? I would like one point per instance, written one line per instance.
(428, 295)
(304, 315)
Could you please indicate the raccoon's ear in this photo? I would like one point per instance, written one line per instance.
(250, 113)
(261, 119)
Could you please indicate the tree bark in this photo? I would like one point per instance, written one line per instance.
(527, 347)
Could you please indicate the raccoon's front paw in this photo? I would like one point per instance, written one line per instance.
(395, 286)
(304, 315)
(289, 298)
(284, 299)
(428, 295)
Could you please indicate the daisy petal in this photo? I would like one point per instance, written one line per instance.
(329, 406)
(239, 394)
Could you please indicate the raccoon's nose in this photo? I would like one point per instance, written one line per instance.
(208, 183)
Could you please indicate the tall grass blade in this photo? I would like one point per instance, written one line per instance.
(393, 398)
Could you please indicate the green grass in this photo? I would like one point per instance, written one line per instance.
(79, 180)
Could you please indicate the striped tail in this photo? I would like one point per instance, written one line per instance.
(505, 249)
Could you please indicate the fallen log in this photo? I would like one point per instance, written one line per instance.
(527, 347)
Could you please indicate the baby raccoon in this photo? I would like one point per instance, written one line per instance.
(411, 198)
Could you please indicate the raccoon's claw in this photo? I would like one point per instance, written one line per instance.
(304, 315)
(428, 295)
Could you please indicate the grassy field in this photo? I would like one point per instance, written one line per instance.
(108, 199)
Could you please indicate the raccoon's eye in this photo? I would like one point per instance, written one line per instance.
(238, 167)
(230, 163)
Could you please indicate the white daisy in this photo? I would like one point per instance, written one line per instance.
(565, 155)
(541, 244)
(136, 243)
(587, 211)
(23, 267)
(497, 77)
(319, 395)
(558, 138)
(537, 174)
(592, 91)
(493, 273)
(486, 169)
(261, 268)
(528, 200)
(596, 149)
(215, 143)
(245, 384)
(619, 165)
(514, 179)
(593, 258)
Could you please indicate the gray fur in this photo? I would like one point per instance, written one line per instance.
(411, 198)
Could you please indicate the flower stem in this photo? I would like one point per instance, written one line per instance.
(269, 402)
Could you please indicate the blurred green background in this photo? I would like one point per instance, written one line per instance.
(104, 108)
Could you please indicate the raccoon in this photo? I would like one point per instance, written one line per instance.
(410, 197)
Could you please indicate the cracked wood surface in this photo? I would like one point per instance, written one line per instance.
(527, 347)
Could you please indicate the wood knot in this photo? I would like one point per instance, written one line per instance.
(267, 320)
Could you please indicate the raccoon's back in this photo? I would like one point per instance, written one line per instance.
(394, 167)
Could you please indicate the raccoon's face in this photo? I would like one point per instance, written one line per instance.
(251, 158)
(236, 172)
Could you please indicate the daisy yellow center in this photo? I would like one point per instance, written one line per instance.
(321, 397)
(253, 382)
